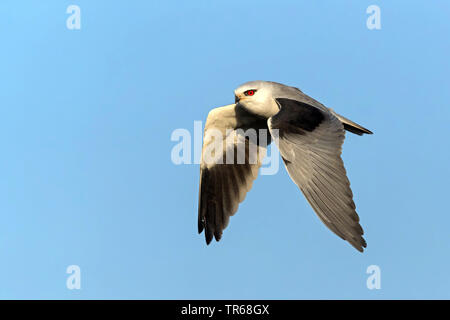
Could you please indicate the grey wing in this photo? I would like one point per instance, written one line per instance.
(225, 177)
(310, 142)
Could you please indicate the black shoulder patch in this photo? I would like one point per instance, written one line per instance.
(249, 121)
(296, 116)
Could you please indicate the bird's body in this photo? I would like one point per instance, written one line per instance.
(309, 137)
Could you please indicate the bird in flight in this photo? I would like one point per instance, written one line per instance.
(309, 137)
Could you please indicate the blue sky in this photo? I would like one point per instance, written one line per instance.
(87, 179)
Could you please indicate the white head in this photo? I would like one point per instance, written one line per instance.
(259, 97)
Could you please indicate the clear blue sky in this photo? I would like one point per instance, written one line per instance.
(86, 176)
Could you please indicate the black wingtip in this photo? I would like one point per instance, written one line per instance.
(356, 130)
(218, 236)
(200, 226)
(360, 247)
(208, 236)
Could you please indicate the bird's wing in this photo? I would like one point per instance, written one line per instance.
(230, 163)
(310, 142)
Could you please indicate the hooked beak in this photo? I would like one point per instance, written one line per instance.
(236, 99)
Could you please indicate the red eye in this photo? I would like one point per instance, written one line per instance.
(249, 92)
